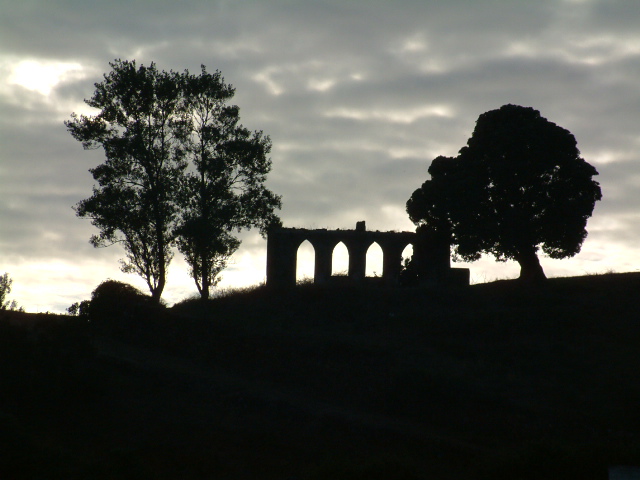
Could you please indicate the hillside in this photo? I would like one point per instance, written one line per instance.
(489, 382)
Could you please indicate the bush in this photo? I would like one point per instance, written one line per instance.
(113, 300)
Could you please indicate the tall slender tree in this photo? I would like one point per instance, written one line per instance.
(225, 188)
(139, 127)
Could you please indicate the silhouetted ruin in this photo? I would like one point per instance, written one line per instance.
(432, 261)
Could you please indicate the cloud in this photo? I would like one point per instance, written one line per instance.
(42, 76)
(358, 98)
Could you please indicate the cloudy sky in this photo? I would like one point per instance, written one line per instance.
(357, 96)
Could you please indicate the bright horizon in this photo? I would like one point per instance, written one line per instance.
(357, 97)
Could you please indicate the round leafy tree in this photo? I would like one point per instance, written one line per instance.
(518, 186)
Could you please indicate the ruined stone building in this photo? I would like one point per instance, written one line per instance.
(432, 260)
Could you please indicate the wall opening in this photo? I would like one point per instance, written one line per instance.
(407, 253)
(340, 261)
(305, 263)
(374, 261)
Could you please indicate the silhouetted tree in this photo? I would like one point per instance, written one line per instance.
(152, 125)
(5, 289)
(139, 127)
(80, 309)
(225, 190)
(519, 185)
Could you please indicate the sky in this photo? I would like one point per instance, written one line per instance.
(357, 96)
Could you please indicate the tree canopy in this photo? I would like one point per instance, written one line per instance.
(179, 170)
(225, 188)
(138, 128)
(518, 186)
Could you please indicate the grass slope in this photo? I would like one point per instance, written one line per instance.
(488, 382)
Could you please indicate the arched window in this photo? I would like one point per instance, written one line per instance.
(407, 253)
(340, 260)
(305, 262)
(374, 261)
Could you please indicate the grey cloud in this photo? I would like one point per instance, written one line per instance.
(330, 82)
(614, 16)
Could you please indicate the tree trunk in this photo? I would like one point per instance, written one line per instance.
(156, 294)
(530, 269)
(205, 281)
(204, 293)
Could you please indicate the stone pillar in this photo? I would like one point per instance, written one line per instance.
(282, 253)
(392, 263)
(357, 259)
(323, 262)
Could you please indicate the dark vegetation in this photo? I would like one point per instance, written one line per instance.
(489, 382)
(518, 186)
(5, 289)
(180, 170)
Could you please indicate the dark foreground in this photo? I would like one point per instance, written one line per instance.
(492, 382)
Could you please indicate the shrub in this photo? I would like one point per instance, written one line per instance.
(113, 300)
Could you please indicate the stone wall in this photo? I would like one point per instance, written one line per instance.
(283, 243)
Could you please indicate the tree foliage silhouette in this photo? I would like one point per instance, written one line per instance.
(225, 190)
(139, 129)
(151, 125)
(5, 289)
(113, 300)
(519, 185)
